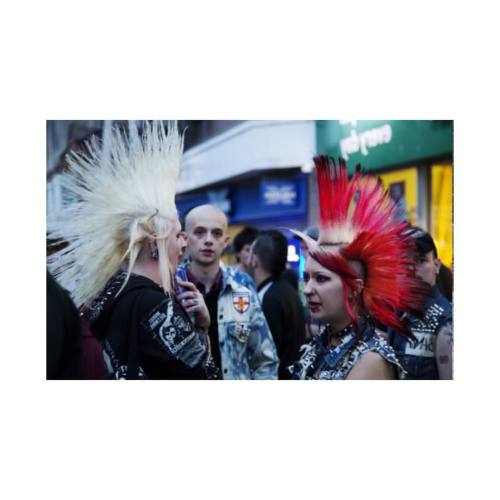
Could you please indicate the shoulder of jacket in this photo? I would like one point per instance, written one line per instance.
(237, 280)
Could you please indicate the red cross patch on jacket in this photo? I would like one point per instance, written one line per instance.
(241, 301)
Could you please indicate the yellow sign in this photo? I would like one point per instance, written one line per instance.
(442, 211)
(402, 186)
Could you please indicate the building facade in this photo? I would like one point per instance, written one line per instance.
(414, 159)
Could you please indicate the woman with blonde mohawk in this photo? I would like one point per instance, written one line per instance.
(124, 243)
(357, 276)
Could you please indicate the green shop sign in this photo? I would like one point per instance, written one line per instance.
(377, 144)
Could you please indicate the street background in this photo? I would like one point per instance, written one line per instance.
(260, 173)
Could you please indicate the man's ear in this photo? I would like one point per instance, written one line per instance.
(227, 238)
(437, 263)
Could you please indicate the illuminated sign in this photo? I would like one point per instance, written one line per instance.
(276, 193)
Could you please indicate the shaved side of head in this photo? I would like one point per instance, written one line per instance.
(205, 212)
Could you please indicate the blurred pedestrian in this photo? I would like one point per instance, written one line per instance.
(280, 301)
(242, 344)
(356, 273)
(430, 355)
(445, 282)
(64, 336)
(124, 243)
(242, 243)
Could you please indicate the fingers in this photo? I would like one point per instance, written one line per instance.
(187, 295)
(187, 284)
(192, 309)
(191, 304)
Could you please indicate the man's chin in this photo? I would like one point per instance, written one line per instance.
(203, 260)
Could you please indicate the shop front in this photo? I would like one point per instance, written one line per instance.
(414, 160)
(275, 199)
(252, 172)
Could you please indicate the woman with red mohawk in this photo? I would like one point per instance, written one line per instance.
(358, 275)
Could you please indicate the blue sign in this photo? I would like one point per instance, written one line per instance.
(256, 200)
(275, 193)
(219, 198)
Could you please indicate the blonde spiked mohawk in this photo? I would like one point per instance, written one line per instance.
(123, 195)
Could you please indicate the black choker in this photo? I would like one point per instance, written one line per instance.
(340, 333)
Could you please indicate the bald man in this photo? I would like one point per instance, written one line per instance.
(242, 344)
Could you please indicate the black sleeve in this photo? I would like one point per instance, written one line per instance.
(169, 345)
(273, 311)
(64, 336)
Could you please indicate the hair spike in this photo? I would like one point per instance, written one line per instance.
(121, 189)
(358, 215)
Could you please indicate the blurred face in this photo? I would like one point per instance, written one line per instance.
(176, 244)
(244, 256)
(427, 267)
(325, 294)
(207, 238)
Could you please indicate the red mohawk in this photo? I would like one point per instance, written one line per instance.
(358, 217)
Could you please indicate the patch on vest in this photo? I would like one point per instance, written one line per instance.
(425, 332)
(241, 301)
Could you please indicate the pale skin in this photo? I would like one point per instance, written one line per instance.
(207, 237)
(427, 267)
(325, 296)
(145, 265)
(444, 352)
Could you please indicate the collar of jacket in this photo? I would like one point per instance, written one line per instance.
(230, 278)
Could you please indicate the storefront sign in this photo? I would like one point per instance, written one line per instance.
(377, 144)
(219, 198)
(278, 193)
(293, 255)
(364, 141)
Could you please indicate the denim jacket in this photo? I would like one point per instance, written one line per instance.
(418, 357)
(320, 362)
(246, 345)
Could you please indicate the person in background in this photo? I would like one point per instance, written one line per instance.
(242, 243)
(445, 282)
(124, 242)
(280, 301)
(64, 336)
(430, 355)
(242, 344)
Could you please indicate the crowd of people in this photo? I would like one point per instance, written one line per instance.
(152, 299)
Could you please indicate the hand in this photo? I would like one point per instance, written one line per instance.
(193, 302)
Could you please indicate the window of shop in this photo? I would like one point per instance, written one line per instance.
(441, 226)
(402, 186)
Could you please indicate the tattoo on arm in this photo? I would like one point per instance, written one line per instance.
(447, 332)
(444, 351)
(444, 360)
